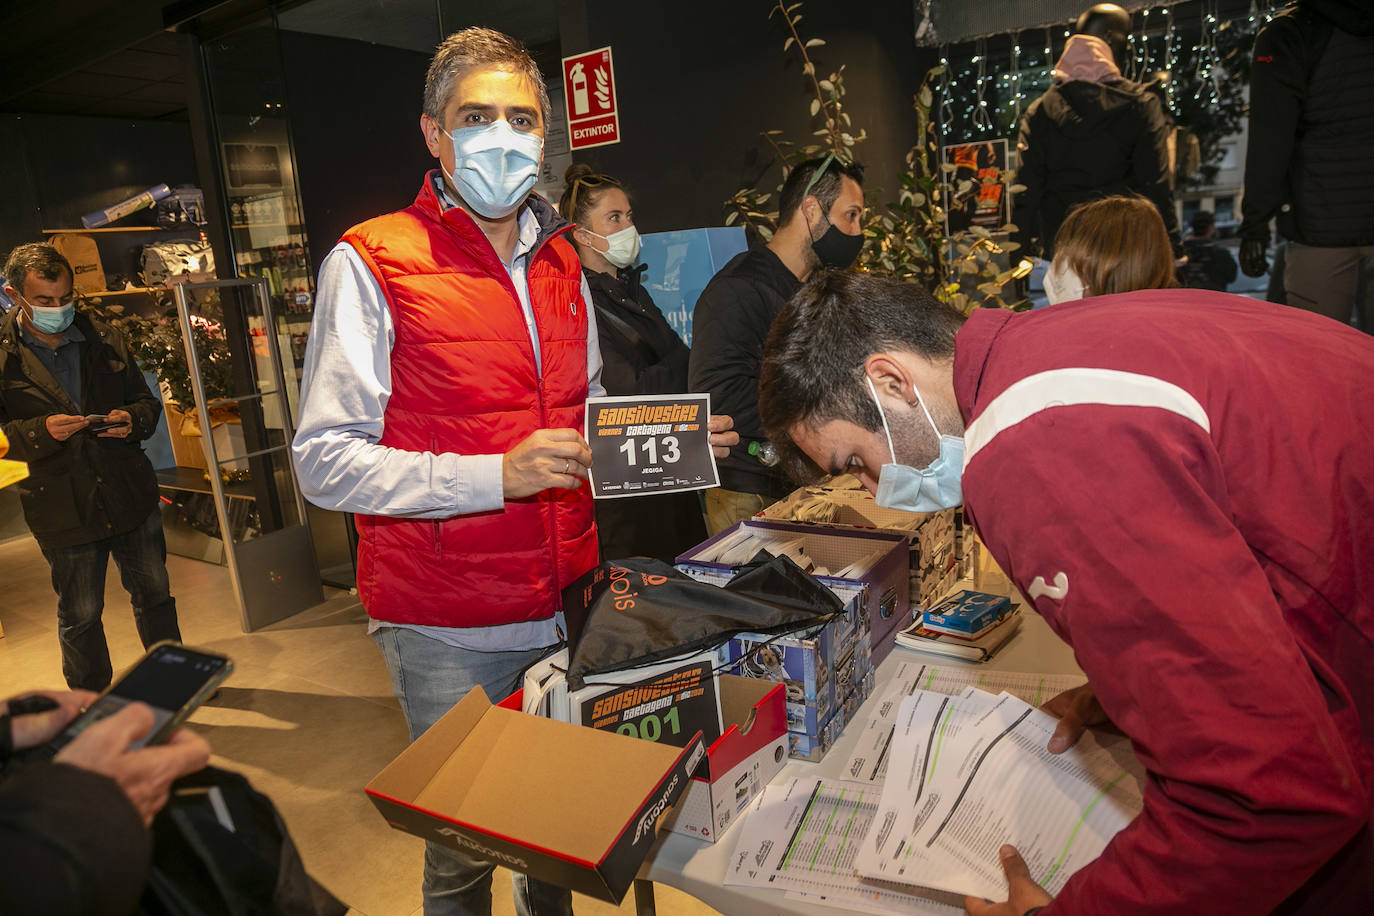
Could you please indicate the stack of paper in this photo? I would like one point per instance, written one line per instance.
(868, 762)
(802, 835)
(969, 773)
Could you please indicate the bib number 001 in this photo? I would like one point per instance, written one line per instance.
(649, 446)
(650, 727)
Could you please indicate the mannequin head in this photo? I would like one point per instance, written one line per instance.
(1109, 22)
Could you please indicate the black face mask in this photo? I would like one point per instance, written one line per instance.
(837, 250)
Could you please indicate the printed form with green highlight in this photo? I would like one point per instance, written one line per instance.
(971, 772)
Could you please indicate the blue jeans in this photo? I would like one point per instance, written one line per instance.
(429, 677)
(78, 577)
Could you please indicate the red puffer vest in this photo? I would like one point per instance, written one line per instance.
(463, 380)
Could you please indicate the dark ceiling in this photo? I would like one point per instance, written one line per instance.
(142, 81)
(125, 59)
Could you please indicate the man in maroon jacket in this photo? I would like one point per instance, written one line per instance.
(1182, 482)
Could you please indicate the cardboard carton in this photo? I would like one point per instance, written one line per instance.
(887, 580)
(820, 674)
(572, 806)
(752, 750)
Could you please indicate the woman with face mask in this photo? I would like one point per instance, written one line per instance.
(1113, 245)
(640, 353)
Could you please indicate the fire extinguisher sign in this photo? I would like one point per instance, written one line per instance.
(589, 88)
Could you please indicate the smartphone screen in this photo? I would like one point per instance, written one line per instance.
(101, 422)
(171, 679)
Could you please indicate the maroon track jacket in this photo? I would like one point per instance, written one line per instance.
(1183, 483)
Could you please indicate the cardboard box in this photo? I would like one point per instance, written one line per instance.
(813, 746)
(752, 750)
(572, 806)
(819, 673)
(887, 580)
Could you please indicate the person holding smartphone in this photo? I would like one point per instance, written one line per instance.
(75, 830)
(75, 407)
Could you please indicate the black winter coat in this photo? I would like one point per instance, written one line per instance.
(85, 488)
(1308, 157)
(70, 842)
(1082, 141)
(641, 354)
(730, 325)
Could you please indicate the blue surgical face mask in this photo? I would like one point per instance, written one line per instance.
(52, 320)
(495, 167)
(930, 489)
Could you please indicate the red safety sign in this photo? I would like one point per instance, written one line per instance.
(589, 88)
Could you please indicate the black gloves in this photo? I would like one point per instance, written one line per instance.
(1253, 257)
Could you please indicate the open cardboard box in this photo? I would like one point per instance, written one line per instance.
(572, 806)
(744, 759)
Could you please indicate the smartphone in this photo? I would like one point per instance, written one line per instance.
(173, 679)
(100, 422)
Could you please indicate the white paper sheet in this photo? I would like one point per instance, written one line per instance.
(803, 834)
(869, 760)
(971, 773)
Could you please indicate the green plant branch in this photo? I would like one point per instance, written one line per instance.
(809, 68)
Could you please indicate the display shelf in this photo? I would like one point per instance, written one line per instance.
(193, 480)
(267, 226)
(190, 228)
(130, 291)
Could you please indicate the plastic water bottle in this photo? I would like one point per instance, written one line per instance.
(763, 450)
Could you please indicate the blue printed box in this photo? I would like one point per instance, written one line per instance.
(967, 612)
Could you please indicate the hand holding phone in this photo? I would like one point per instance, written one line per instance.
(171, 679)
(101, 422)
(110, 747)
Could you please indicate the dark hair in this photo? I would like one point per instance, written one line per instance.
(813, 362)
(40, 258)
(1116, 245)
(472, 48)
(583, 188)
(802, 182)
(1203, 220)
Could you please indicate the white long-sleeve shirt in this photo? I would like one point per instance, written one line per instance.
(344, 393)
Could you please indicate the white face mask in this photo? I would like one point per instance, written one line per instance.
(1062, 284)
(495, 167)
(938, 485)
(623, 246)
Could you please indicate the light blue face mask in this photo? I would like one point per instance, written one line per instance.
(930, 489)
(52, 320)
(494, 167)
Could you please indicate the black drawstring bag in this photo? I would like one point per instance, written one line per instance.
(639, 610)
(201, 867)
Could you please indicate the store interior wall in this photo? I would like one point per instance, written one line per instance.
(59, 167)
(355, 116)
(698, 84)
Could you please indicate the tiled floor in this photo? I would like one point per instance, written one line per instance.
(308, 716)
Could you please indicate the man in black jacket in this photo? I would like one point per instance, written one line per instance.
(820, 223)
(1207, 265)
(1307, 160)
(1092, 134)
(91, 491)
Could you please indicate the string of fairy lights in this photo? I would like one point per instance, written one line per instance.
(982, 96)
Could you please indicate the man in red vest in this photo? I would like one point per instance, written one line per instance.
(451, 353)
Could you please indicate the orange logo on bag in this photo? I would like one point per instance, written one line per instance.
(620, 586)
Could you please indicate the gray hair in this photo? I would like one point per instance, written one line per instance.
(473, 48)
(36, 257)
